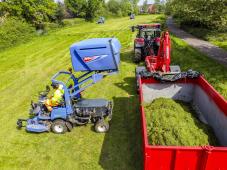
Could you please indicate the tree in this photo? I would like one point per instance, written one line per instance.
(126, 8)
(145, 6)
(92, 9)
(35, 12)
(134, 6)
(60, 12)
(114, 6)
(203, 13)
(76, 7)
(159, 6)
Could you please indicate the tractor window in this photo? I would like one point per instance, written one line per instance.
(147, 34)
(150, 33)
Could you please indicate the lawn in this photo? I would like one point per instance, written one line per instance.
(27, 68)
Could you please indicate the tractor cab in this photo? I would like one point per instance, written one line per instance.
(148, 33)
(147, 41)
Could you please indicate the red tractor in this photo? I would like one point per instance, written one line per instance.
(157, 63)
(147, 41)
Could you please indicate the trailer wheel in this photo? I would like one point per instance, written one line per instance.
(59, 126)
(101, 126)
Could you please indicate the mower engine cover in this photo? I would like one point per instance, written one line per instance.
(98, 54)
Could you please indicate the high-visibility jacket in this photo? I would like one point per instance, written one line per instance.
(58, 95)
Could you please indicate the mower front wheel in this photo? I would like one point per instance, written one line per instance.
(59, 126)
(101, 126)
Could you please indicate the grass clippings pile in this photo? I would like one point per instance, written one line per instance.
(174, 123)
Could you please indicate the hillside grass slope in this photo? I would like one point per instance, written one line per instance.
(27, 68)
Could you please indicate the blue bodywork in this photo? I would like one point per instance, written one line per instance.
(98, 54)
(107, 53)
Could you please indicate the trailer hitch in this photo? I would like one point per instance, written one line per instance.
(168, 77)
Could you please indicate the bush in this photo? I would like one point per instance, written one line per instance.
(211, 14)
(14, 31)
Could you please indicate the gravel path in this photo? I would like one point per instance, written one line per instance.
(205, 47)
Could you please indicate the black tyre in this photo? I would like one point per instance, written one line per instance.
(137, 56)
(69, 126)
(59, 126)
(101, 126)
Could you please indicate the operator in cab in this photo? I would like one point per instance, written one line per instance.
(56, 98)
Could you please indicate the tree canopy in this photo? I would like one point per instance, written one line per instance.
(33, 11)
(206, 13)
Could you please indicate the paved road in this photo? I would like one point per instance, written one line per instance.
(205, 47)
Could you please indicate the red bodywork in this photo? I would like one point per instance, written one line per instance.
(139, 41)
(162, 61)
(178, 157)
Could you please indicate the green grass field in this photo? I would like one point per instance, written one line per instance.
(27, 68)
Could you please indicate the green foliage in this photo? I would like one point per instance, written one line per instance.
(76, 7)
(35, 12)
(88, 9)
(145, 6)
(174, 123)
(204, 13)
(122, 7)
(14, 31)
(114, 7)
(92, 9)
(159, 6)
(61, 12)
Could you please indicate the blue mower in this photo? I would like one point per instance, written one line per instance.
(95, 59)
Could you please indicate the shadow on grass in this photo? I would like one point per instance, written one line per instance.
(121, 148)
(129, 85)
(127, 56)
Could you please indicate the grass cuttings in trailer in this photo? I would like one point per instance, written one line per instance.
(174, 123)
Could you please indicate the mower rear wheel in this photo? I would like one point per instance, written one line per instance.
(59, 126)
(101, 126)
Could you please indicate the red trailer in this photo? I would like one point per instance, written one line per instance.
(213, 109)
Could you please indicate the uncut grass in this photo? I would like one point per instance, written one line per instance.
(174, 123)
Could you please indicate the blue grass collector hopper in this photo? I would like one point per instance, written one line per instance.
(97, 54)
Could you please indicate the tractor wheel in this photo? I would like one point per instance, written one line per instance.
(59, 126)
(137, 56)
(101, 126)
(69, 126)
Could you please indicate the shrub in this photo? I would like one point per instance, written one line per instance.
(14, 31)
